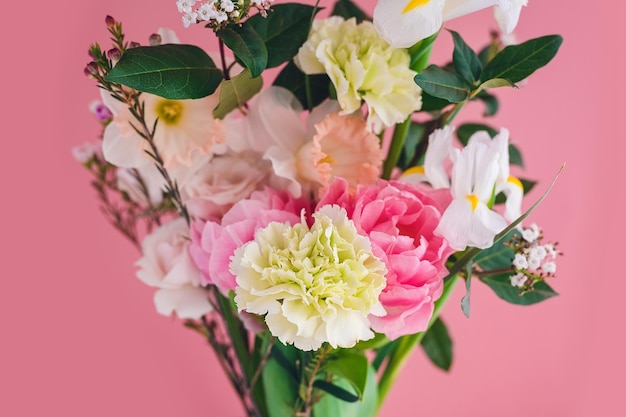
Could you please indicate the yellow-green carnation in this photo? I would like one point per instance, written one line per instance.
(313, 284)
(362, 66)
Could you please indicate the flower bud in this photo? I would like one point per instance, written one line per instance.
(155, 39)
(110, 22)
(133, 45)
(114, 55)
(91, 69)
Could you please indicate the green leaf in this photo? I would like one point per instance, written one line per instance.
(494, 83)
(465, 301)
(347, 9)
(235, 92)
(516, 62)
(281, 380)
(498, 256)
(465, 60)
(465, 131)
(175, 72)
(438, 345)
(420, 53)
(490, 102)
(351, 366)
(433, 104)
(284, 30)
(296, 81)
(335, 390)
(247, 45)
(379, 340)
(515, 156)
(413, 139)
(444, 84)
(329, 406)
(501, 285)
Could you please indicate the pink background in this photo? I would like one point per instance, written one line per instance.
(78, 332)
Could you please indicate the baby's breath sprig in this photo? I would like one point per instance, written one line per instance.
(533, 261)
(217, 14)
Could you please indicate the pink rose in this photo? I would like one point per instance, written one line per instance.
(400, 221)
(215, 242)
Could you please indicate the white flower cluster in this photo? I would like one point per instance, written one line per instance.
(216, 12)
(533, 262)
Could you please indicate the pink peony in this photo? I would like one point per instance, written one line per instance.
(214, 242)
(400, 221)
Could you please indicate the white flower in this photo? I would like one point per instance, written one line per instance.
(314, 285)
(362, 67)
(184, 6)
(227, 6)
(186, 128)
(86, 151)
(468, 220)
(549, 267)
(531, 233)
(166, 265)
(518, 280)
(520, 261)
(433, 171)
(405, 22)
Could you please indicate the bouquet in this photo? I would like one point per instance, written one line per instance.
(302, 198)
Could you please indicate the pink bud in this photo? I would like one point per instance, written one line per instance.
(114, 54)
(91, 69)
(155, 39)
(110, 22)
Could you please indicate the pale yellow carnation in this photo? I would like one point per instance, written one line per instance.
(314, 285)
(362, 66)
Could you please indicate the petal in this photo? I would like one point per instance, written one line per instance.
(187, 302)
(457, 8)
(403, 29)
(439, 147)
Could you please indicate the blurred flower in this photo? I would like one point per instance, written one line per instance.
(362, 67)
(314, 285)
(166, 265)
(185, 128)
(403, 23)
(400, 220)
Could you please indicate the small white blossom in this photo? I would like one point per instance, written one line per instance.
(184, 6)
(227, 6)
(520, 261)
(537, 252)
(531, 234)
(518, 280)
(534, 262)
(549, 267)
(551, 250)
(190, 18)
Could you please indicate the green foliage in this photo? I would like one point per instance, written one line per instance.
(490, 101)
(442, 83)
(236, 91)
(280, 378)
(283, 31)
(465, 301)
(329, 406)
(347, 9)
(438, 346)
(310, 90)
(350, 366)
(501, 285)
(465, 60)
(414, 138)
(176, 72)
(516, 62)
(247, 45)
(498, 256)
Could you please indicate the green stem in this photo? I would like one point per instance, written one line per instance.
(406, 346)
(395, 148)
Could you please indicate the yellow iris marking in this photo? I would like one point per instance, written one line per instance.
(414, 170)
(412, 4)
(515, 181)
(474, 200)
(326, 160)
(169, 111)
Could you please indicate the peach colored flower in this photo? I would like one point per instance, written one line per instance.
(343, 147)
